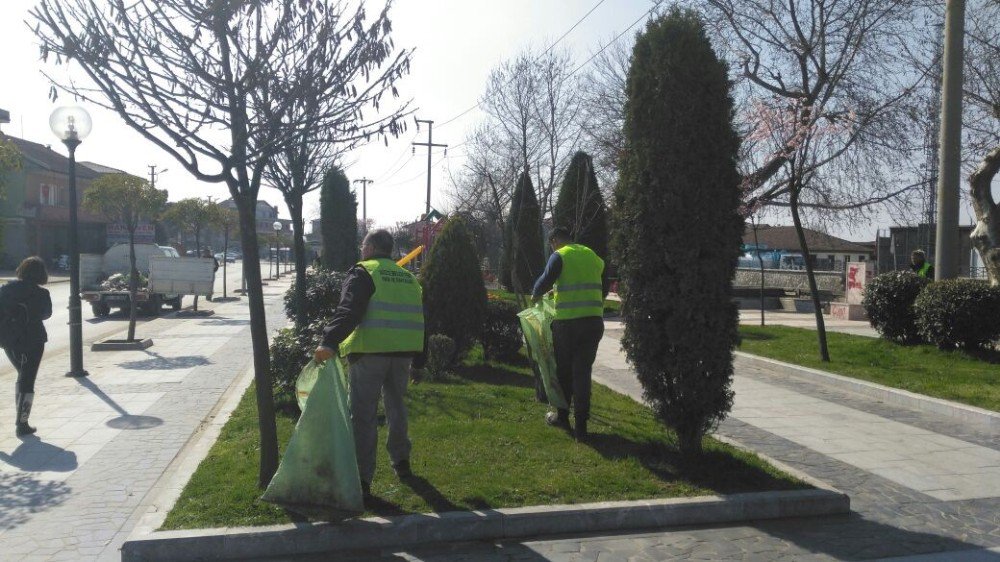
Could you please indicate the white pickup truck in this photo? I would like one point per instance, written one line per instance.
(95, 268)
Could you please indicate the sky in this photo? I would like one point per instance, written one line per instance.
(457, 43)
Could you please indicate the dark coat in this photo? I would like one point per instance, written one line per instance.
(38, 304)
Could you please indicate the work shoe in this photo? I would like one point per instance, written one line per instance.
(402, 469)
(580, 430)
(24, 429)
(558, 419)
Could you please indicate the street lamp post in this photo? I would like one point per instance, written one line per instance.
(72, 125)
(277, 256)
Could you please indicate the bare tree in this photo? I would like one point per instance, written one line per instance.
(299, 168)
(532, 107)
(826, 92)
(602, 100)
(203, 81)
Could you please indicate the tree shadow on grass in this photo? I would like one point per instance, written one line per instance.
(991, 356)
(754, 336)
(716, 470)
(489, 374)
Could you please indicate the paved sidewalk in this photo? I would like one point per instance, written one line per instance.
(919, 484)
(75, 491)
(808, 321)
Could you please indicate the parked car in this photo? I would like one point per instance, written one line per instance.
(225, 257)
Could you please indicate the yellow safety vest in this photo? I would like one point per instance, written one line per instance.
(578, 291)
(394, 320)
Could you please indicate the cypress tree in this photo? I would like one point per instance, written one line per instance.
(454, 294)
(677, 226)
(338, 215)
(524, 251)
(580, 206)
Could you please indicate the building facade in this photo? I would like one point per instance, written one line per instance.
(35, 211)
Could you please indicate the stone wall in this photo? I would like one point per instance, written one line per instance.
(790, 280)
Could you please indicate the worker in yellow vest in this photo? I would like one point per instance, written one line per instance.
(379, 327)
(920, 265)
(575, 275)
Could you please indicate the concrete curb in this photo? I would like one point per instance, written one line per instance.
(514, 523)
(894, 396)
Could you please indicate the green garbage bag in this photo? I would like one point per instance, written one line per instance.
(318, 475)
(536, 325)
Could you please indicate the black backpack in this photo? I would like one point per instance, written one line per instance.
(13, 322)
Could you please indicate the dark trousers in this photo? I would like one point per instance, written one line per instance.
(575, 343)
(26, 360)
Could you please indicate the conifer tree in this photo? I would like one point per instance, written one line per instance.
(524, 251)
(338, 209)
(580, 207)
(454, 294)
(677, 226)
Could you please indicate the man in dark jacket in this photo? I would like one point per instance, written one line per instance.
(379, 326)
(27, 301)
(577, 278)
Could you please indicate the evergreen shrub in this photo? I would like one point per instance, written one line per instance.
(889, 299)
(440, 356)
(677, 227)
(959, 313)
(454, 294)
(502, 338)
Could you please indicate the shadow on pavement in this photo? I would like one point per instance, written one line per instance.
(157, 362)
(21, 496)
(125, 420)
(35, 455)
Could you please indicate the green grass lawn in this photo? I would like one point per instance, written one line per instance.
(480, 442)
(924, 369)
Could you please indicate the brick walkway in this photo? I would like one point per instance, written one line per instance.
(76, 491)
(919, 485)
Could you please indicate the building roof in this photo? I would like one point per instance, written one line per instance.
(102, 169)
(785, 238)
(44, 157)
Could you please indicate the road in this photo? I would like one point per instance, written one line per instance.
(100, 328)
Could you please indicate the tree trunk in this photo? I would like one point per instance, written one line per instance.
(689, 441)
(133, 286)
(225, 261)
(258, 337)
(760, 261)
(824, 352)
(197, 254)
(986, 236)
(299, 245)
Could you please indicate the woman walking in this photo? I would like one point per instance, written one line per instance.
(26, 300)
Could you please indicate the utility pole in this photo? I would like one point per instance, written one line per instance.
(364, 202)
(430, 146)
(949, 156)
(153, 174)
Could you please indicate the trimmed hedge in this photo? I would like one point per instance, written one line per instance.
(889, 299)
(959, 313)
(501, 338)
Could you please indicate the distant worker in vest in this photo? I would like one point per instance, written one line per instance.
(920, 265)
(575, 275)
(379, 326)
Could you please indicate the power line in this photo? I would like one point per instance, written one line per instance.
(552, 46)
(406, 181)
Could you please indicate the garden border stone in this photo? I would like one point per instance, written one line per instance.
(494, 524)
(897, 397)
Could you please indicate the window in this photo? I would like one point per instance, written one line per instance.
(847, 259)
(861, 258)
(44, 191)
